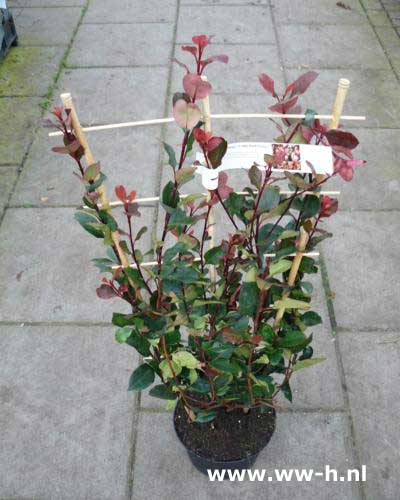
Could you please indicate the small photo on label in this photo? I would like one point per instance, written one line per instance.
(287, 156)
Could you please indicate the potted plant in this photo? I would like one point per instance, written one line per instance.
(222, 329)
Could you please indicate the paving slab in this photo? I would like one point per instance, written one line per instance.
(373, 93)
(371, 364)
(19, 116)
(136, 11)
(240, 75)
(29, 71)
(125, 94)
(125, 155)
(46, 26)
(362, 266)
(45, 3)
(247, 23)
(312, 440)
(66, 416)
(224, 2)
(122, 45)
(381, 172)
(8, 176)
(46, 268)
(318, 11)
(314, 46)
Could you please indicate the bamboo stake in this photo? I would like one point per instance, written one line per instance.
(207, 128)
(158, 121)
(68, 103)
(342, 89)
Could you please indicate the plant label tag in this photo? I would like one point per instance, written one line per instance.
(303, 158)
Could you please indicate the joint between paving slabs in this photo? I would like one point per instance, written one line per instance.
(332, 318)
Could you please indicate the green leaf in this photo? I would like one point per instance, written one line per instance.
(120, 319)
(166, 368)
(92, 172)
(122, 334)
(291, 304)
(306, 287)
(292, 338)
(186, 359)
(192, 376)
(139, 342)
(311, 318)
(267, 333)
(141, 378)
(255, 176)
(270, 198)
(262, 360)
(223, 365)
(203, 416)
(109, 220)
(140, 233)
(170, 197)
(185, 174)
(162, 392)
(311, 206)
(305, 363)
(248, 298)
(171, 155)
(201, 385)
(215, 156)
(287, 391)
(89, 223)
(279, 267)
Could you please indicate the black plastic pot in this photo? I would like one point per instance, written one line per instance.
(205, 464)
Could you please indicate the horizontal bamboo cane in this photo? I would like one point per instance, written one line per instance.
(159, 121)
(197, 259)
(153, 199)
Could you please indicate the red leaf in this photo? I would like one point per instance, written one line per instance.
(120, 193)
(345, 151)
(213, 143)
(201, 40)
(60, 149)
(105, 292)
(340, 138)
(268, 83)
(355, 163)
(300, 85)
(223, 189)
(220, 58)
(195, 87)
(284, 106)
(191, 49)
(328, 206)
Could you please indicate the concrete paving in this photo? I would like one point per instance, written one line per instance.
(68, 427)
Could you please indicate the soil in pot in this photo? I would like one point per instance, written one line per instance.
(231, 436)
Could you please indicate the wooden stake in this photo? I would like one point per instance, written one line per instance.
(211, 219)
(342, 89)
(68, 103)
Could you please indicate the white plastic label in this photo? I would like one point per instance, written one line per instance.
(304, 158)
